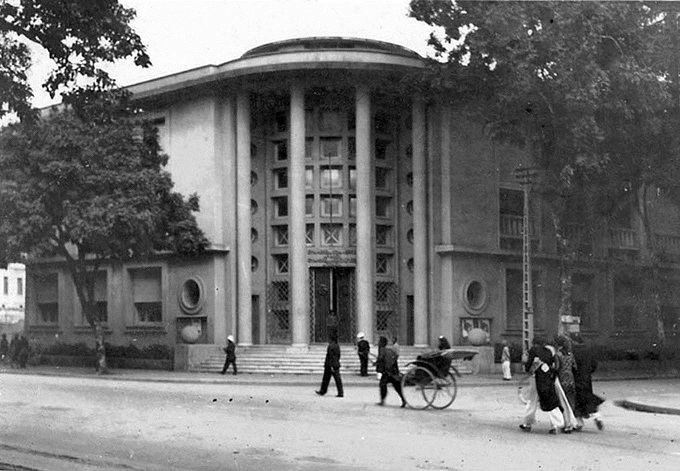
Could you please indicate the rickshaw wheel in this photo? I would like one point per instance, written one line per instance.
(446, 392)
(418, 387)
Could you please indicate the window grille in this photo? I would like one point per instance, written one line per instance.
(281, 236)
(281, 264)
(278, 312)
(331, 234)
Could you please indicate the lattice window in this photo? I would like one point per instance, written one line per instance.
(281, 236)
(281, 263)
(309, 234)
(387, 308)
(282, 319)
(383, 235)
(278, 312)
(383, 264)
(383, 320)
(279, 293)
(331, 234)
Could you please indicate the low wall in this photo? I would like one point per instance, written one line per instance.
(112, 362)
(188, 356)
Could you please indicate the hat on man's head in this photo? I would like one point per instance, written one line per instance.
(230, 338)
(361, 335)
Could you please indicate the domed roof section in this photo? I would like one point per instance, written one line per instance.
(330, 43)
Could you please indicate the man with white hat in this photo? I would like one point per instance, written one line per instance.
(363, 348)
(230, 350)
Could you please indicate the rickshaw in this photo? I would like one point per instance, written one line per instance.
(430, 380)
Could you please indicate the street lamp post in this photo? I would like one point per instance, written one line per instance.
(525, 176)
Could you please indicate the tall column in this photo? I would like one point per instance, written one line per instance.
(365, 283)
(446, 260)
(225, 316)
(420, 273)
(298, 239)
(243, 223)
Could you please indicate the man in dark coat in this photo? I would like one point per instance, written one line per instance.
(230, 350)
(363, 348)
(331, 367)
(540, 362)
(388, 367)
(587, 402)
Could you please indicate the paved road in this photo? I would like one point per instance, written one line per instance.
(79, 423)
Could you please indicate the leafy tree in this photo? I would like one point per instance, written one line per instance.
(88, 185)
(588, 88)
(78, 35)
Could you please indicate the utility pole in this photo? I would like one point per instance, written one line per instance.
(525, 175)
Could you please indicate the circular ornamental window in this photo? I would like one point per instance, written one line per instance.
(475, 296)
(192, 295)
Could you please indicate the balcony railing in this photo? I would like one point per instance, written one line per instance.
(620, 238)
(511, 227)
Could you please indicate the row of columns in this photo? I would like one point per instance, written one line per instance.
(365, 268)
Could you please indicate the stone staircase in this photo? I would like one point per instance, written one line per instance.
(282, 359)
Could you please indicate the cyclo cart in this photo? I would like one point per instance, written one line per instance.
(430, 380)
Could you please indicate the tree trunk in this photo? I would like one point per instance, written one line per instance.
(100, 348)
(566, 257)
(651, 255)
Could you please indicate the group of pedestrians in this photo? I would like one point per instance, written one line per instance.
(560, 383)
(386, 364)
(15, 352)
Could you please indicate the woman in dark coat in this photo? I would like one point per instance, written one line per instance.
(540, 362)
(587, 402)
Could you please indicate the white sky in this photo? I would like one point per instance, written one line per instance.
(183, 34)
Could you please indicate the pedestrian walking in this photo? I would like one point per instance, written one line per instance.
(564, 383)
(388, 367)
(363, 349)
(542, 392)
(14, 350)
(587, 402)
(22, 352)
(230, 350)
(505, 361)
(4, 348)
(331, 367)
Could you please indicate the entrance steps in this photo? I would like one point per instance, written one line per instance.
(284, 359)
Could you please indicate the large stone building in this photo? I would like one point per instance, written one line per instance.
(334, 195)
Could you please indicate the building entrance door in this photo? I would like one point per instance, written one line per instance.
(332, 304)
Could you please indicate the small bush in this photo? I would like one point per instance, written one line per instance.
(131, 351)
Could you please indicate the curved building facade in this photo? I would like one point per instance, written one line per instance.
(336, 198)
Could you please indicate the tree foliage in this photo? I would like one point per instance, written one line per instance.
(589, 88)
(78, 35)
(87, 184)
